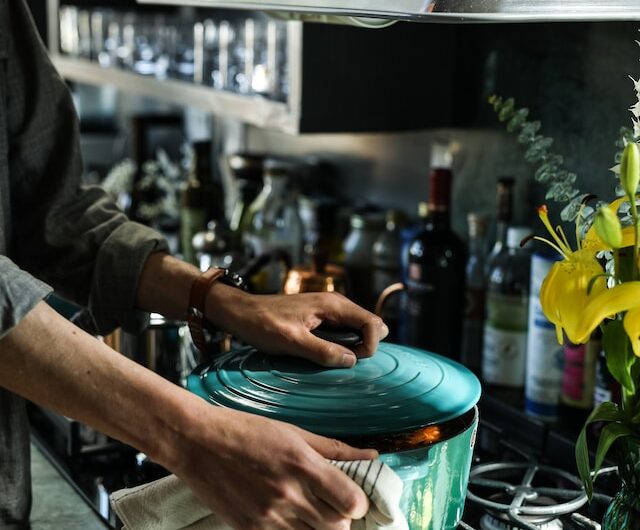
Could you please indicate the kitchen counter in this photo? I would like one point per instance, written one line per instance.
(55, 503)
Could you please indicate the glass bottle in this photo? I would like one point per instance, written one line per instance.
(248, 171)
(505, 329)
(201, 199)
(504, 216)
(435, 276)
(358, 256)
(387, 268)
(275, 225)
(545, 357)
(579, 379)
(475, 292)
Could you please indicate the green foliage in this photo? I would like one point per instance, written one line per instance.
(620, 358)
(609, 412)
(550, 165)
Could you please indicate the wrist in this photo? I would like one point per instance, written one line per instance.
(224, 306)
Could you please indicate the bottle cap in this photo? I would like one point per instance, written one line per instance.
(439, 189)
(505, 198)
(477, 223)
(515, 234)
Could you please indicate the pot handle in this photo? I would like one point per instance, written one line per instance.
(343, 336)
(385, 294)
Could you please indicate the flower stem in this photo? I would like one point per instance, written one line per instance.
(634, 215)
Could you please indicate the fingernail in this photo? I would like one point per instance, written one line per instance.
(384, 331)
(348, 360)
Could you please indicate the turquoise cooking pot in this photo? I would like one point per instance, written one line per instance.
(418, 409)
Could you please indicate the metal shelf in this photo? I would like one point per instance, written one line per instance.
(254, 110)
(439, 10)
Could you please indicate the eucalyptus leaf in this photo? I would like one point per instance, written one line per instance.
(506, 111)
(619, 356)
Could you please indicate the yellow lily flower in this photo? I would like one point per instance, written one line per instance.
(565, 297)
(563, 294)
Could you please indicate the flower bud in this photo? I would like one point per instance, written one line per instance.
(608, 227)
(630, 169)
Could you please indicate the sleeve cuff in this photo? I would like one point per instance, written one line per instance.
(118, 269)
(19, 293)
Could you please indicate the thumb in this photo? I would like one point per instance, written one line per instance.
(336, 450)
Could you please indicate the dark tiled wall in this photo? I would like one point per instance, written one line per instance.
(573, 77)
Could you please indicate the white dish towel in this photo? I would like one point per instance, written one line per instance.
(167, 504)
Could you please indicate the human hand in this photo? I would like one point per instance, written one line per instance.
(258, 473)
(282, 324)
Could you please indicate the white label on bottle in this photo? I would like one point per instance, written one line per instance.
(543, 384)
(504, 356)
(505, 339)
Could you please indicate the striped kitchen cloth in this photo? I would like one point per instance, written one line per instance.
(167, 504)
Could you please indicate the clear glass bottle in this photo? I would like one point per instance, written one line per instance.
(474, 292)
(387, 268)
(505, 329)
(358, 256)
(274, 224)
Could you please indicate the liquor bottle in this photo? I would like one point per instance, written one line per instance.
(505, 329)
(474, 293)
(435, 275)
(545, 357)
(504, 216)
(386, 267)
(274, 225)
(201, 199)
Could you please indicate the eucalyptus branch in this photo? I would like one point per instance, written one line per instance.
(550, 168)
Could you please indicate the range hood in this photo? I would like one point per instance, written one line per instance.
(366, 12)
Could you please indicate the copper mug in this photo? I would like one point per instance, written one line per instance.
(311, 280)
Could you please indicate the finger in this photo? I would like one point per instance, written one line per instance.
(335, 449)
(319, 515)
(324, 353)
(340, 492)
(343, 312)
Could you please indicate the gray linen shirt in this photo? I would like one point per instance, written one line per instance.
(55, 233)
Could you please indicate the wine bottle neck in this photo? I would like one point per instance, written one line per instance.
(439, 219)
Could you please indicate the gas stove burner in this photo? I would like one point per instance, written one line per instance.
(500, 520)
(524, 495)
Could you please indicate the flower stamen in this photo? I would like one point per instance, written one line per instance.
(543, 213)
(552, 245)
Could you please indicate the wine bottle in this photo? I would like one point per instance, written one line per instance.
(436, 274)
(504, 216)
(505, 329)
(201, 199)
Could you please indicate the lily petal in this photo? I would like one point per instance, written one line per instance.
(591, 240)
(632, 328)
(622, 297)
(563, 294)
(593, 243)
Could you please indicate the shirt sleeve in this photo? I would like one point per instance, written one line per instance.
(71, 236)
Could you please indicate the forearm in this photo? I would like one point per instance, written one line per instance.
(53, 363)
(165, 285)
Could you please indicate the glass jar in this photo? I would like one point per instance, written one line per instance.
(358, 256)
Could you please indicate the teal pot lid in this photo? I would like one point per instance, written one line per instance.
(399, 389)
